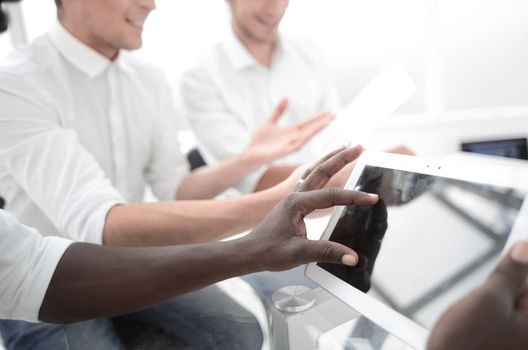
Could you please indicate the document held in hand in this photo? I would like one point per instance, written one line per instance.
(382, 96)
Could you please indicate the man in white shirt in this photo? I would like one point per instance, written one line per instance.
(240, 82)
(84, 127)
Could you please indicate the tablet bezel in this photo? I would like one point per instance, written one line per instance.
(399, 325)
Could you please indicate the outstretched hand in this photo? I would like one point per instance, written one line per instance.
(495, 316)
(271, 141)
(279, 242)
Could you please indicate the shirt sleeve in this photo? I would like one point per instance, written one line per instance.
(27, 264)
(219, 132)
(49, 163)
(168, 166)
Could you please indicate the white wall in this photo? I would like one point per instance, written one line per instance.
(486, 52)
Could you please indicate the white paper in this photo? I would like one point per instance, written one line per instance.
(382, 96)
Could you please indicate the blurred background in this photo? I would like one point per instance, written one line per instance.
(468, 57)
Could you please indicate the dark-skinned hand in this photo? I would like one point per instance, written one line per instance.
(279, 241)
(493, 317)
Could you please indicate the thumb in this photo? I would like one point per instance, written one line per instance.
(279, 110)
(510, 274)
(330, 252)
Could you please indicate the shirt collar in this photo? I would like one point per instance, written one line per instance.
(81, 56)
(241, 58)
(238, 54)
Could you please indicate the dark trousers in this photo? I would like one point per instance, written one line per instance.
(205, 319)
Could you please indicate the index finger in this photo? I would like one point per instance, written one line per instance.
(509, 277)
(324, 171)
(326, 117)
(306, 202)
(279, 110)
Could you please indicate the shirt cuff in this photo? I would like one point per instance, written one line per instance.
(98, 219)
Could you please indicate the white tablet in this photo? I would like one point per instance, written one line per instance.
(435, 235)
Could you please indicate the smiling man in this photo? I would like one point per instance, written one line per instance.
(255, 73)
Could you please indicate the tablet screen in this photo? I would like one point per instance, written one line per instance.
(428, 241)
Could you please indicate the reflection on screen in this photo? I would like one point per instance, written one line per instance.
(428, 241)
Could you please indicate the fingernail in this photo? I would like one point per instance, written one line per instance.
(372, 195)
(350, 260)
(519, 252)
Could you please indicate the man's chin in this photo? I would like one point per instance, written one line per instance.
(268, 39)
(133, 45)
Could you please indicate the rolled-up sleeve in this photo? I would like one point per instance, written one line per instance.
(48, 162)
(27, 264)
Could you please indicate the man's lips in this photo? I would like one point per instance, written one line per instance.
(269, 23)
(138, 23)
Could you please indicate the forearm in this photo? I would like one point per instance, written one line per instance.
(94, 281)
(274, 175)
(184, 222)
(110, 281)
(207, 182)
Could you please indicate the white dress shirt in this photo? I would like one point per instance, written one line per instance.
(229, 94)
(27, 264)
(80, 134)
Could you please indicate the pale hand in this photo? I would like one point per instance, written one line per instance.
(271, 141)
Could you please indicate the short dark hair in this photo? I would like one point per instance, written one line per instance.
(58, 3)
